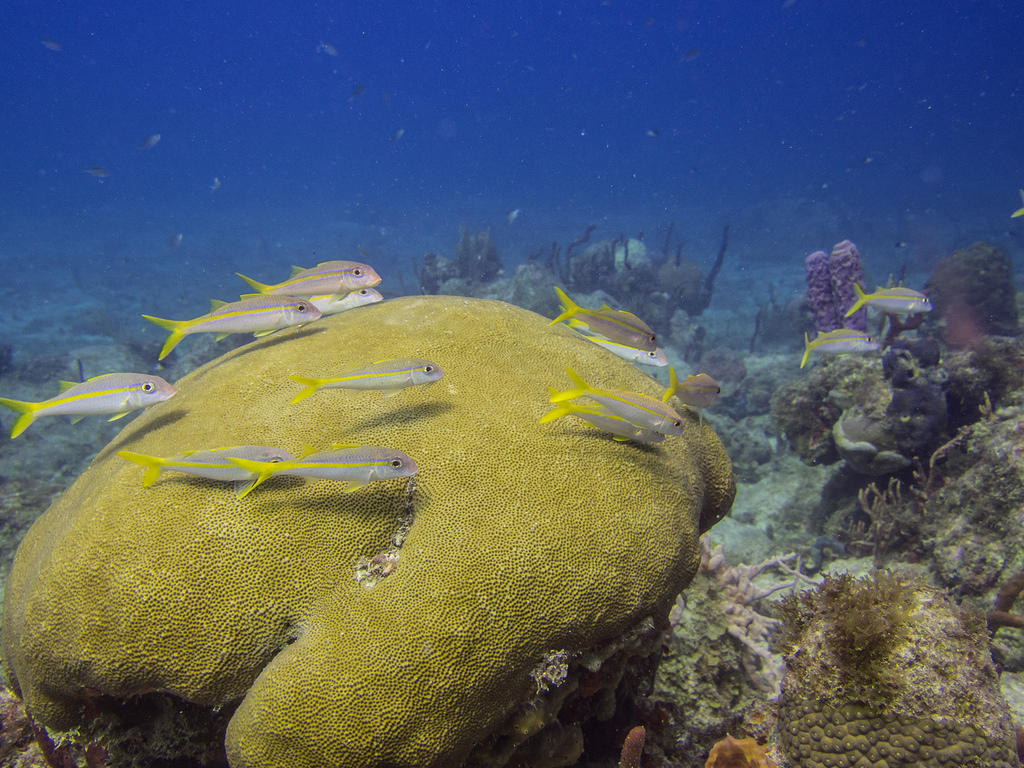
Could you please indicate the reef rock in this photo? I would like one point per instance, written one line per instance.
(440, 622)
(881, 671)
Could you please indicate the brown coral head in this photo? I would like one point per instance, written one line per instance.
(738, 753)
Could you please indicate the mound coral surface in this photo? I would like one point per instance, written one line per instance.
(515, 540)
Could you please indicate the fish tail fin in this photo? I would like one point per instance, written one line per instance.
(861, 298)
(569, 307)
(555, 413)
(672, 382)
(256, 285)
(807, 350)
(311, 386)
(177, 332)
(257, 468)
(28, 412)
(154, 465)
(579, 388)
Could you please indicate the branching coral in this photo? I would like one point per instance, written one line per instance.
(750, 627)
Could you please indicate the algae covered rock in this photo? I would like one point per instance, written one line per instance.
(882, 671)
(517, 543)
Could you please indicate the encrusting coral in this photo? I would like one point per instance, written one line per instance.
(530, 547)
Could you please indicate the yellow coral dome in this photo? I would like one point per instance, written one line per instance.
(524, 538)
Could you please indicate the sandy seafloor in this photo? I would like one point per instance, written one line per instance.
(75, 289)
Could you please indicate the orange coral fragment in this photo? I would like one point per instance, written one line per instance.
(742, 753)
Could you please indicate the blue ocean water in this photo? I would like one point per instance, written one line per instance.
(293, 132)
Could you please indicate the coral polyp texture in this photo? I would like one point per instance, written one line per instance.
(883, 671)
(516, 543)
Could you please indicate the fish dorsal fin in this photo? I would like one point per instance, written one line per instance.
(296, 270)
(64, 386)
(383, 360)
(342, 446)
(606, 308)
(216, 304)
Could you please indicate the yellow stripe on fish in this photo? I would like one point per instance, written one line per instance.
(838, 342)
(116, 393)
(327, 277)
(620, 429)
(353, 466)
(643, 411)
(896, 301)
(258, 315)
(615, 324)
(390, 375)
(212, 464)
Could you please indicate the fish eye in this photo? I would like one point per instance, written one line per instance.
(652, 354)
(300, 307)
(357, 272)
(677, 423)
(652, 338)
(363, 292)
(148, 387)
(428, 368)
(396, 463)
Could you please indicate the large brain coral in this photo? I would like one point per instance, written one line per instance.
(519, 543)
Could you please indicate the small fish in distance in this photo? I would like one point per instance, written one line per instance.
(895, 301)
(212, 464)
(259, 316)
(150, 141)
(353, 465)
(110, 393)
(98, 171)
(1020, 211)
(328, 277)
(383, 375)
(643, 411)
(838, 342)
(614, 324)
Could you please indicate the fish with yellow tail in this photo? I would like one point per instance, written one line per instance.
(615, 324)
(332, 304)
(654, 357)
(838, 342)
(895, 301)
(353, 465)
(327, 277)
(698, 390)
(618, 427)
(259, 316)
(212, 464)
(389, 376)
(112, 393)
(1020, 211)
(642, 411)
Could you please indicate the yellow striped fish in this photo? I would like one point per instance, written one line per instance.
(332, 304)
(642, 411)
(618, 427)
(614, 324)
(259, 316)
(654, 357)
(330, 277)
(116, 393)
(389, 375)
(353, 465)
(212, 464)
(838, 342)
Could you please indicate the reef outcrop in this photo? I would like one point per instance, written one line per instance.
(437, 622)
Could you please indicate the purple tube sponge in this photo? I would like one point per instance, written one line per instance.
(819, 292)
(830, 291)
(845, 270)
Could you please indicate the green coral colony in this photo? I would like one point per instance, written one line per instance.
(415, 622)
